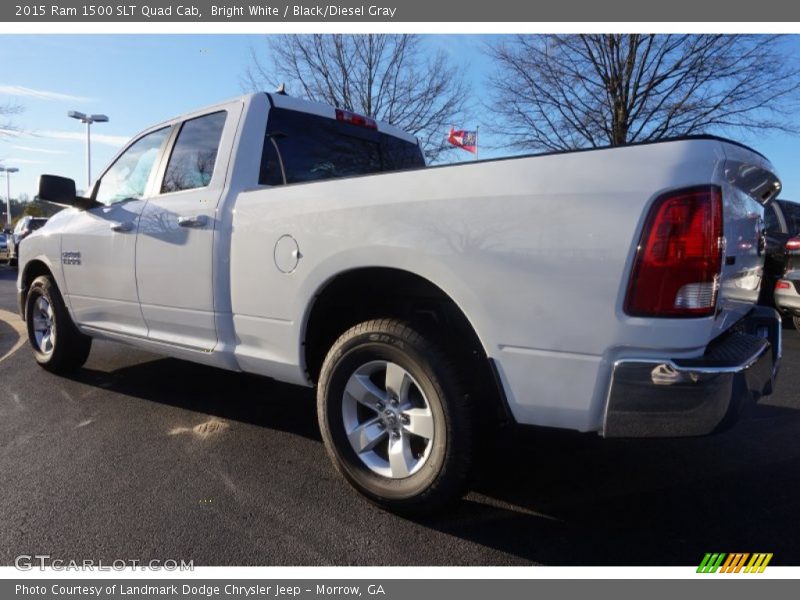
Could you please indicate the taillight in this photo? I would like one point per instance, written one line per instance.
(783, 285)
(355, 119)
(678, 261)
(793, 243)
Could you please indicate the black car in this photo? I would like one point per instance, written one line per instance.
(782, 219)
(25, 226)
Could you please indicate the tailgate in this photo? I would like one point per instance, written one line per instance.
(748, 184)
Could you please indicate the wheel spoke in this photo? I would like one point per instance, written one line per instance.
(363, 391)
(420, 422)
(46, 344)
(397, 381)
(43, 305)
(366, 436)
(401, 461)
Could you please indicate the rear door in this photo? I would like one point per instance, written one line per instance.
(174, 248)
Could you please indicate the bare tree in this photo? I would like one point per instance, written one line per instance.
(7, 111)
(388, 77)
(560, 92)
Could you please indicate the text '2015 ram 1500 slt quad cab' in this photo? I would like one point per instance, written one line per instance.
(609, 290)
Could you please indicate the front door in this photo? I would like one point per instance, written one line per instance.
(174, 253)
(99, 245)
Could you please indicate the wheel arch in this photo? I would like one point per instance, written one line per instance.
(33, 268)
(367, 292)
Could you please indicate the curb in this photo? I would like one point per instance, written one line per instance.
(12, 333)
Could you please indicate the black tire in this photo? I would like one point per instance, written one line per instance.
(69, 348)
(796, 321)
(444, 475)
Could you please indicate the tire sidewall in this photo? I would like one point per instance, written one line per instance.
(343, 362)
(42, 286)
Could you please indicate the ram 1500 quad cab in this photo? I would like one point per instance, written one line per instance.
(608, 290)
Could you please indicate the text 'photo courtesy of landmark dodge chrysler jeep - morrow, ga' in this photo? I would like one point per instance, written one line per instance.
(609, 290)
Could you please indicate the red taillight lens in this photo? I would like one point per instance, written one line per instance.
(783, 285)
(678, 261)
(355, 119)
(793, 243)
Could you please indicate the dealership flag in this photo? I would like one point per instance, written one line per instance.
(468, 140)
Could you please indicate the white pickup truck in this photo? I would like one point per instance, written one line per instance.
(608, 290)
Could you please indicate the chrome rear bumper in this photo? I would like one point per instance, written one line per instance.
(689, 397)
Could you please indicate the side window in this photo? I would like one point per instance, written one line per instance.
(192, 162)
(127, 177)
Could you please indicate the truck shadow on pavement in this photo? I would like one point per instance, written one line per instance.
(560, 498)
(571, 499)
(8, 338)
(224, 394)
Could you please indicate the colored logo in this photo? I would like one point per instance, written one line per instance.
(734, 563)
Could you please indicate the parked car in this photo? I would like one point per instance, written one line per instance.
(25, 226)
(5, 254)
(782, 222)
(310, 244)
(787, 288)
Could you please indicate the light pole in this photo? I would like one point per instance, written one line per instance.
(88, 119)
(8, 171)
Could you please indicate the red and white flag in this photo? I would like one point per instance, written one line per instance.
(467, 140)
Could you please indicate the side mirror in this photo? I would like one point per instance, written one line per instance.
(61, 190)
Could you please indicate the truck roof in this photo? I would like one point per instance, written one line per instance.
(280, 100)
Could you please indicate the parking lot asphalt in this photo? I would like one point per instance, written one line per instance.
(140, 457)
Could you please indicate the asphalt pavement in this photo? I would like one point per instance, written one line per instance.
(140, 457)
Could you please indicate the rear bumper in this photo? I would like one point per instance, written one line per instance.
(689, 397)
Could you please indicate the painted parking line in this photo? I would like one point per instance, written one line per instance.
(12, 333)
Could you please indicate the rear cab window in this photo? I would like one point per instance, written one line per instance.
(310, 147)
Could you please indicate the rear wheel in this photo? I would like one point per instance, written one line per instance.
(796, 321)
(395, 417)
(57, 344)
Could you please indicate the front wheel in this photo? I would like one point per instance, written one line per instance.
(57, 344)
(396, 417)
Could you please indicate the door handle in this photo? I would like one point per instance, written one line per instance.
(121, 227)
(195, 221)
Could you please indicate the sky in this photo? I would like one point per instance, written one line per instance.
(139, 80)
